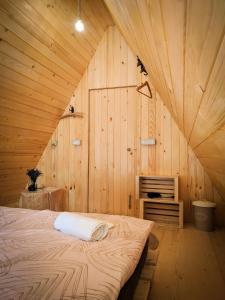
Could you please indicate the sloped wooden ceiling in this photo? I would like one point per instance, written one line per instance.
(42, 59)
(182, 45)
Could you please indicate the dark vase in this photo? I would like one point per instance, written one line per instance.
(32, 187)
(33, 176)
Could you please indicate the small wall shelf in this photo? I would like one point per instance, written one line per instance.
(74, 115)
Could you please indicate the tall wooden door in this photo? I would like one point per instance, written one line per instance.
(112, 150)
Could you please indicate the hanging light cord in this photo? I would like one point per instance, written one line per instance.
(78, 9)
(79, 25)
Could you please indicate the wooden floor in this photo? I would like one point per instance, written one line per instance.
(190, 266)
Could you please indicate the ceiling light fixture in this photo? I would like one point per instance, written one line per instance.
(78, 25)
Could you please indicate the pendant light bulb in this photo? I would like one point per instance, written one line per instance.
(79, 25)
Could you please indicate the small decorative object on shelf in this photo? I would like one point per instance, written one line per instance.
(71, 109)
(33, 175)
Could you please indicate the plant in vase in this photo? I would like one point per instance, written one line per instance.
(33, 174)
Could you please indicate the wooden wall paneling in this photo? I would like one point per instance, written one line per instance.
(208, 188)
(167, 141)
(175, 149)
(211, 155)
(91, 156)
(213, 103)
(25, 95)
(123, 151)
(214, 163)
(111, 141)
(151, 118)
(179, 159)
(183, 177)
(42, 60)
(192, 175)
(152, 130)
(144, 130)
(20, 79)
(8, 161)
(84, 159)
(9, 116)
(200, 185)
(213, 146)
(159, 135)
(217, 179)
(104, 150)
(47, 85)
(66, 14)
(202, 44)
(117, 160)
(62, 15)
(151, 13)
(75, 166)
(173, 13)
(33, 79)
(20, 104)
(181, 44)
(110, 57)
(124, 61)
(132, 144)
(20, 41)
(14, 139)
(131, 25)
(11, 25)
(220, 208)
(95, 200)
(77, 56)
(34, 67)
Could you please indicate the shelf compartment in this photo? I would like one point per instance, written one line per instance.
(157, 184)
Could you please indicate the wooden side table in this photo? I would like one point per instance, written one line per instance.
(48, 198)
(165, 212)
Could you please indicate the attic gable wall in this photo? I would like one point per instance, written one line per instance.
(114, 65)
(182, 45)
(42, 60)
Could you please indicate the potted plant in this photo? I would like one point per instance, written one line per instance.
(33, 175)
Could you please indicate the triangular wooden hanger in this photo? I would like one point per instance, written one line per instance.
(149, 89)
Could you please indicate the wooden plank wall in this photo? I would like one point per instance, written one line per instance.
(42, 60)
(114, 65)
(182, 45)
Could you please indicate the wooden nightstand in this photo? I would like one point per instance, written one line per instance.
(166, 209)
(48, 198)
(164, 212)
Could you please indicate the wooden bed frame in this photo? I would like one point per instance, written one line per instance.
(127, 291)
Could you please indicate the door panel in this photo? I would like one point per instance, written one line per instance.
(112, 156)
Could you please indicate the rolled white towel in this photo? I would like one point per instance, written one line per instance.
(82, 227)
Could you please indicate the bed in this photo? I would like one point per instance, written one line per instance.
(39, 262)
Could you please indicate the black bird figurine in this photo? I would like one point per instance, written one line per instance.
(71, 109)
(139, 63)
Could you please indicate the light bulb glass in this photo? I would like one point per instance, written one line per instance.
(79, 25)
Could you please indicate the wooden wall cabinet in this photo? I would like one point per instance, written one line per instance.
(166, 209)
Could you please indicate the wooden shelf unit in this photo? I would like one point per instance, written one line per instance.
(157, 184)
(163, 210)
